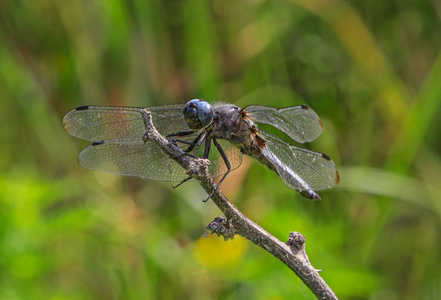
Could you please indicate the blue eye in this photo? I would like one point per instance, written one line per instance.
(198, 114)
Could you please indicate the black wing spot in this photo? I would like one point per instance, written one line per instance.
(326, 157)
(304, 106)
(84, 107)
(97, 143)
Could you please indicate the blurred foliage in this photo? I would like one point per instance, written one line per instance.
(371, 70)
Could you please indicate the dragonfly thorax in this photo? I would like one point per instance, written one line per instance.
(230, 125)
(198, 114)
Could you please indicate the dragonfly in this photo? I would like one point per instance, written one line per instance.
(119, 146)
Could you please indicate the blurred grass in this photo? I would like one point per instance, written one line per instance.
(372, 72)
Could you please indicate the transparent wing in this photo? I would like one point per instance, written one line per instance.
(94, 123)
(299, 122)
(217, 165)
(299, 168)
(133, 157)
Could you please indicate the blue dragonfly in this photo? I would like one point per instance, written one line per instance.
(118, 146)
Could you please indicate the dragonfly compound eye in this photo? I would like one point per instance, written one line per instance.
(198, 114)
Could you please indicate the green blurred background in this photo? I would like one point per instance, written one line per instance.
(371, 70)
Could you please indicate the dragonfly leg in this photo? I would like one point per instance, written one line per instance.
(206, 152)
(185, 142)
(197, 141)
(181, 133)
(183, 181)
(207, 148)
(227, 164)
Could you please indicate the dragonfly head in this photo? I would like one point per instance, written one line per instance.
(198, 114)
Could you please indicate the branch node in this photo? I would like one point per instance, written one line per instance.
(221, 227)
(296, 239)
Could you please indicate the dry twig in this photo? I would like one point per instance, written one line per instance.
(291, 253)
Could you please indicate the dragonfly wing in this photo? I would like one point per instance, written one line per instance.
(119, 149)
(300, 169)
(299, 122)
(217, 165)
(131, 157)
(94, 123)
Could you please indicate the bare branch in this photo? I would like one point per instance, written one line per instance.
(292, 253)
